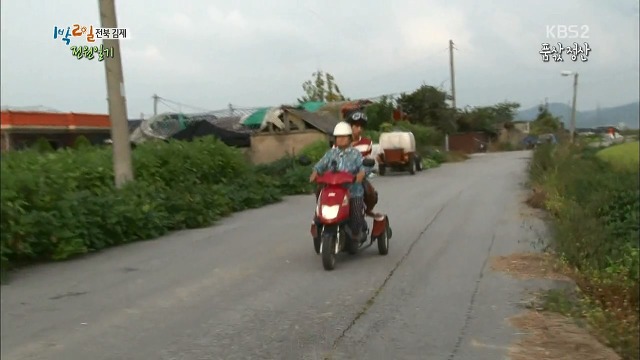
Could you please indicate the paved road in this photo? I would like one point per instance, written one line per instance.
(253, 288)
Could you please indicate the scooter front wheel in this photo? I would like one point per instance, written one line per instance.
(328, 250)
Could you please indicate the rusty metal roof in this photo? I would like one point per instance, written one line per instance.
(322, 122)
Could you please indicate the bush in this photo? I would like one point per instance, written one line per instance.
(293, 178)
(379, 112)
(373, 135)
(429, 163)
(71, 207)
(316, 150)
(81, 142)
(426, 136)
(503, 146)
(436, 155)
(42, 145)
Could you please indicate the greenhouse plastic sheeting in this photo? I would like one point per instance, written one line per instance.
(312, 106)
(256, 119)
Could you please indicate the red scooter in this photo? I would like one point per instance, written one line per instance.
(331, 232)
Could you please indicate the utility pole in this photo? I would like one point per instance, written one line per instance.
(453, 77)
(155, 104)
(122, 165)
(453, 90)
(573, 107)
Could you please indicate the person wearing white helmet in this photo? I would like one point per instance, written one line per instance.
(346, 158)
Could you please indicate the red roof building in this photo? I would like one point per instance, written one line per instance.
(19, 129)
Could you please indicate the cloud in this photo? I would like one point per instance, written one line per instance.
(233, 20)
(433, 30)
(179, 22)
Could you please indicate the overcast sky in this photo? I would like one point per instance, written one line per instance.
(257, 53)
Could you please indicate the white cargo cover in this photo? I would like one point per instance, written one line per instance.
(398, 140)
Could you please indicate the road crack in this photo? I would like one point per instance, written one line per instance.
(377, 292)
(469, 312)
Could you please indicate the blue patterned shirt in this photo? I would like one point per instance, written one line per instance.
(349, 160)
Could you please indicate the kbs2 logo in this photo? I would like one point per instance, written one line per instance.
(567, 31)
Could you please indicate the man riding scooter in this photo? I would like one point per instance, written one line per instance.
(358, 121)
(346, 158)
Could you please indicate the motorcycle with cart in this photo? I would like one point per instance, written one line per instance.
(330, 230)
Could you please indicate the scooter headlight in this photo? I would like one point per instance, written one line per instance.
(330, 212)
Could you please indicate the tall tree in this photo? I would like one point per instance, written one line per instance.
(322, 87)
(428, 106)
(379, 113)
(487, 118)
(545, 122)
(505, 112)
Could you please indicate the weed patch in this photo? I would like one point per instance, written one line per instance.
(595, 207)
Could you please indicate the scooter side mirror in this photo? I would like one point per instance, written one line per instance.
(304, 161)
(368, 162)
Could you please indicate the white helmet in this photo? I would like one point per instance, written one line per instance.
(342, 129)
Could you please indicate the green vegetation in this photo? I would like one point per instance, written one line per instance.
(595, 208)
(545, 123)
(427, 113)
(630, 132)
(81, 142)
(60, 204)
(623, 156)
(42, 145)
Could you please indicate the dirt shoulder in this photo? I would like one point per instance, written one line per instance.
(546, 334)
(552, 324)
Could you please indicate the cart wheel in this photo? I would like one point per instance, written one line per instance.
(412, 165)
(419, 163)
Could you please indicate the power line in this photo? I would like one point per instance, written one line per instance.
(167, 105)
(247, 109)
(182, 104)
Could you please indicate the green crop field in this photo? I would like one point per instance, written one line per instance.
(623, 156)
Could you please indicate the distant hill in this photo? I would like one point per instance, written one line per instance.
(628, 114)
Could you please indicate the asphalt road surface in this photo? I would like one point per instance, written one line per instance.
(252, 287)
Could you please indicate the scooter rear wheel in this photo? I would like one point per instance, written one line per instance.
(383, 244)
(383, 239)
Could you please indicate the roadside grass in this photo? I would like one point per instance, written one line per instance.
(612, 327)
(455, 156)
(593, 199)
